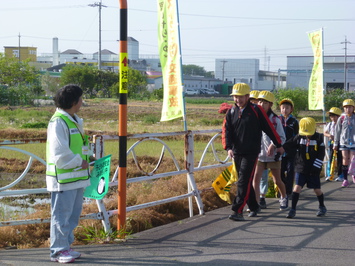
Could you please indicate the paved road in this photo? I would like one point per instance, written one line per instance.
(213, 239)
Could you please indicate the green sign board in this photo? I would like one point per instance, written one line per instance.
(99, 179)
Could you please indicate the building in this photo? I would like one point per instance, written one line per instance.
(299, 69)
(22, 53)
(198, 83)
(248, 71)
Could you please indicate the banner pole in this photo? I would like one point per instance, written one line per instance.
(324, 90)
(122, 121)
(182, 72)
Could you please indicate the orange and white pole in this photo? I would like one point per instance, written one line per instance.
(122, 120)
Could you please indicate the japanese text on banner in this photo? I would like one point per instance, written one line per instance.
(315, 88)
(169, 52)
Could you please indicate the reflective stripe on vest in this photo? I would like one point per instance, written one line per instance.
(76, 141)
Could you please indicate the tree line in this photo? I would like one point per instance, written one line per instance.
(21, 83)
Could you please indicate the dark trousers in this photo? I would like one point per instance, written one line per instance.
(288, 173)
(245, 166)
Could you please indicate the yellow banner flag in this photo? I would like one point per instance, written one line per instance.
(170, 59)
(224, 181)
(315, 88)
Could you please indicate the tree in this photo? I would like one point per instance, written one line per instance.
(94, 82)
(19, 82)
(196, 71)
(101, 83)
(49, 84)
(84, 76)
(107, 80)
(137, 84)
(14, 72)
(299, 96)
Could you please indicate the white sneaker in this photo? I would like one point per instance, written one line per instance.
(283, 204)
(339, 179)
(328, 179)
(63, 257)
(74, 254)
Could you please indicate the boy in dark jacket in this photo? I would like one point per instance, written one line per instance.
(310, 151)
(290, 126)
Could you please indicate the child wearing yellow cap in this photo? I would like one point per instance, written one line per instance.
(334, 113)
(344, 137)
(308, 147)
(268, 157)
(290, 126)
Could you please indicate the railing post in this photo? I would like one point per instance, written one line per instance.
(191, 184)
(98, 150)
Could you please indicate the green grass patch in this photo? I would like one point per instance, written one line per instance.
(24, 118)
(25, 113)
(35, 125)
(210, 100)
(151, 119)
(214, 122)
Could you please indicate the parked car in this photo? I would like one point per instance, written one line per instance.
(209, 91)
(190, 91)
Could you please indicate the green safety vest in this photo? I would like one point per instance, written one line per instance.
(76, 142)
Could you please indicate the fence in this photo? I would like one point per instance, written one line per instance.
(98, 146)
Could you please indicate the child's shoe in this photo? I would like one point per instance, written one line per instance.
(328, 179)
(345, 183)
(340, 178)
(353, 179)
(291, 213)
(74, 254)
(322, 211)
(63, 257)
(283, 204)
(262, 203)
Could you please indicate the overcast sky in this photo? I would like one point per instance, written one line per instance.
(210, 29)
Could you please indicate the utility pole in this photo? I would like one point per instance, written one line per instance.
(100, 5)
(223, 63)
(345, 64)
(19, 47)
(265, 58)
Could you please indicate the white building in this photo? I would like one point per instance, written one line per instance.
(248, 71)
(197, 83)
(299, 70)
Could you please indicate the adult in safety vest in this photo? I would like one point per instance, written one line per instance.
(67, 171)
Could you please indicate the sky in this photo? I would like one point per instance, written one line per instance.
(269, 30)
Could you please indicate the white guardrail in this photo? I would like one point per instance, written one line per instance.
(98, 143)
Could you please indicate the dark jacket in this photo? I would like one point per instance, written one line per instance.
(243, 132)
(291, 128)
(316, 150)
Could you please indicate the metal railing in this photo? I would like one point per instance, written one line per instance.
(98, 146)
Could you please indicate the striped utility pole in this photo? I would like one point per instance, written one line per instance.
(122, 120)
